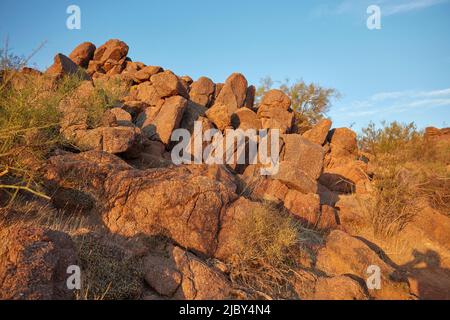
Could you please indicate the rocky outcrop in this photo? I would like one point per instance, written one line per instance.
(273, 111)
(61, 66)
(318, 134)
(34, 263)
(339, 288)
(301, 164)
(231, 97)
(202, 91)
(180, 275)
(122, 178)
(83, 54)
(432, 133)
(183, 203)
(109, 58)
(346, 255)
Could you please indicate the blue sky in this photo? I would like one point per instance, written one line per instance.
(401, 72)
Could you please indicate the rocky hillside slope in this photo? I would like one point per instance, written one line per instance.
(153, 230)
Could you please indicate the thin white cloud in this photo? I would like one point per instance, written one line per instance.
(409, 5)
(388, 7)
(383, 96)
(397, 102)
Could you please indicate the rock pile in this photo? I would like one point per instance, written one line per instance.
(125, 166)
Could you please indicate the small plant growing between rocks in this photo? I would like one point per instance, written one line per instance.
(266, 252)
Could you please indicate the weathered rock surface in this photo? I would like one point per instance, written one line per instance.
(180, 275)
(161, 121)
(168, 84)
(301, 164)
(183, 203)
(34, 262)
(339, 288)
(82, 54)
(229, 231)
(61, 66)
(113, 49)
(318, 134)
(245, 119)
(202, 91)
(231, 97)
(346, 255)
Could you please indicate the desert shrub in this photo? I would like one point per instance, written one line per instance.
(106, 95)
(30, 118)
(267, 250)
(395, 201)
(409, 170)
(390, 138)
(29, 128)
(437, 190)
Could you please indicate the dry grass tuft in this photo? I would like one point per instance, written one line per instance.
(267, 251)
(107, 274)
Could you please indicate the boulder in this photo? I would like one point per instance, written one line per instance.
(435, 134)
(273, 111)
(184, 203)
(295, 178)
(329, 218)
(343, 147)
(62, 66)
(123, 118)
(306, 155)
(229, 230)
(339, 288)
(263, 188)
(202, 91)
(301, 163)
(146, 92)
(245, 119)
(230, 99)
(146, 73)
(233, 92)
(113, 50)
(82, 54)
(109, 139)
(220, 115)
(167, 119)
(193, 112)
(250, 97)
(318, 134)
(276, 99)
(188, 80)
(347, 255)
(305, 207)
(352, 215)
(167, 84)
(181, 275)
(34, 262)
(350, 177)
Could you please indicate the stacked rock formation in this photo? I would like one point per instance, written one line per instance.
(125, 165)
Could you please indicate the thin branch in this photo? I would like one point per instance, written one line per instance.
(36, 193)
